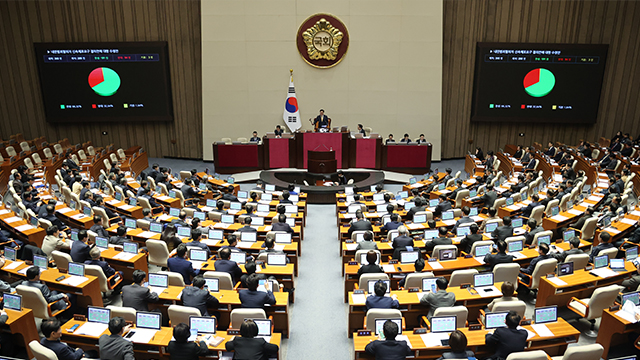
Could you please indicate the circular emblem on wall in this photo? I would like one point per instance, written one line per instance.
(322, 40)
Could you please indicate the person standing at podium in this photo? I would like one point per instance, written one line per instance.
(322, 120)
(361, 130)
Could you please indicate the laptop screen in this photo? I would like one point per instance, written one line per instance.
(148, 320)
(133, 202)
(243, 194)
(212, 284)
(276, 259)
(40, 261)
(130, 223)
(291, 209)
(371, 286)
(403, 194)
(448, 254)
(175, 212)
(485, 279)
(238, 257)
(413, 180)
(202, 324)
(381, 208)
(155, 227)
(74, 235)
(433, 202)
(266, 197)
(378, 197)
(483, 250)
(473, 193)
(257, 221)
(631, 253)
(565, 269)
(235, 206)
(516, 223)
(216, 234)
(516, 246)
(10, 253)
(443, 323)
(568, 234)
(202, 186)
(13, 302)
(617, 264)
(634, 297)
(495, 320)
(291, 222)
(248, 236)
(130, 247)
(226, 219)
(545, 314)
(348, 190)
(98, 314)
(419, 219)
(76, 269)
(555, 211)
(263, 208)
(269, 187)
(441, 186)
(158, 280)
(509, 201)
(490, 227)
(408, 205)
(544, 239)
(430, 234)
(447, 215)
(199, 214)
(463, 231)
(264, 327)
(409, 257)
(380, 325)
(601, 261)
(429, 284)
(359, 237)
(283, 238)
(198, 255)
(171, 194)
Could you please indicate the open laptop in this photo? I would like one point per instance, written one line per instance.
(263, 208)
(509, 201)
(443, 324)
(463, 231)
(147, 323)
(133, 202)
(264, 328)
(130, 247)
(634, 297)
(98, 314)
(184, 231)
(420, 219)
(199, 215)
(266, 197)
(158, 282)
(544, 239)
(13, 302)
(403, 194)
(488, 229)
(283, 238)
(447, 254)
(482, 250)
(429, 285)
(175, 212)
(291, 209)
(215, 234)
(359, 237)
(363, 259)
(381, 208)
(41, 262)
(413, 180)
(130, 223)
(102, 243)
(201, 325)
(198, 257)
(277, 259)
(409, 257)
(631, 253)
(257, 221)
(495, 320)
(484, 282)
(565, 269)
(212, 284)
(269, 187)
(371, 286)
(238, 257)
(226, 219)
(516, 222)
(248, 236)
(76, 269)
(430, 234)
(617, 265)
(555, 211)
(155, 227)
(434, 202)
(568, 234)
(243, 194)
(291, 221)
(378, 197)
(380, 326)
(74, 235)
(600, 261)
(547, 314)
(447, 215)
(10, 253)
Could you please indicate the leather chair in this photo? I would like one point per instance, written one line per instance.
(373, 314)
(506, 272)
(459, 277)
(127, 313)
(180, 314)
(438, 248)
(591, 308)
(359, 253)
(534, 243)
(32, 299)
(414, 280)
(611, 252)
(580, 261)
(62, 259)
(543, 268)
(41, 352)
(175, 279)
(528, 355)
(480, 243)
(582, 352)
(158, 252)
(460, 312)
(224, 279)
(237, 316)
(363, 283)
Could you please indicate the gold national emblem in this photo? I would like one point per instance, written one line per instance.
(322, 40)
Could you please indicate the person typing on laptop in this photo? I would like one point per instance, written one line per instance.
(248, 346)
(442, 239)
(504, 231)
(269, 248)
(135, 295)
(198, 297)
(604, 244)
(467, 242)
(500, 258)
(225, 265)
(114, 346)
(508, 339)
(379, 301)
(389, 348)
(254, 298)
(182, 349)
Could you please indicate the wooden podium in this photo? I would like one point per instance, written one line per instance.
(322, 162)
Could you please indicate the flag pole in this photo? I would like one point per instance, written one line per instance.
(291, 74)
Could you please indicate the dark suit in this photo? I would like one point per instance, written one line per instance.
(414, 210)
(137, 297)
(437, 241)
(251, 348)
(80, 252)
(62, 351)
(531, 234)
(106, 269)
(229, 267)
(188, 192)
(247, 228)
(114, 347)
(230, 197)
(500, 258)
(598, 248)
(321, 120)
(534, 262)
(391, 225)
(370, 268)
(467, 242)
(400, 243)
(281, 227)
(550, 152)
(526, 212)
(256, 299)
(182, 266)
(489, 164)
(442, 298)
(381, 302)
(55, 221)
(463, 220)
(580, 223)
(442, 207)
(200, 299)
(100, 230)
(367, 245)
(489, 198)
(561, 257)
(526, 157)
(187, 351)
(117, 240)
(502, 232)
(359, 225)
(507, 341)
(388, 349)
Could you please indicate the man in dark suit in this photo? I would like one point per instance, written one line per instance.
(321, 120)
(114, 346)
(282, 225)
(504, 231)
(285, 198)
(489, 196)
(467, 242)
(247, 225)
(551, 151)
(379, 301)
(465, 219)
(254, 298)
(627, 151)
(53, 219)
(187, 189)
(33, 280)
(393, 224)
(95, 260)
(389, 348)
(500, 258)
(51, 340)
(70, 163)
(543, 254)
(441, 298)
(603, 245)
(199, 297)
(587, 215)
(182, 349)
(535, 201)
(360, 224)
(440, 240)
(443, 206)
(228, 266)
(401, 242)
(574, 244)
(181, 265)
(180, 221)
(154, 171)
(80, 249)
(534, 228)
(508, 340)
(135, 295)
(98, 228)
(417, 201)
(120, 237)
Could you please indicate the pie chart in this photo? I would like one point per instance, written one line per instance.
(539, 82)
(104, 81)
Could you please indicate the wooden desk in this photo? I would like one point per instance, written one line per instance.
(88, 292)
(23, 324)
(476, 342)
(580, 284)
(138, 262)
(610, 326)
(33, 235)
(73, 218)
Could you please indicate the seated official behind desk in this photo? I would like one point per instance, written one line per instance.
(379, 301)
(114, 346)
(440, 240)
(508, 340)
(248, 346)
(371, 266)
(33, 280)
(226, 265)
(458, 345)
(500, 258)
(254, 298)
(441, 298)
(52, 334)
(199, 297)
(389, 348)
(181, 348)
(181, 265)
(136, 296)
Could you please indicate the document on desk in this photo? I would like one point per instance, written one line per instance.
(4, 212)
(488, 291)
(634, 213)
(405, 338)
(232, 212)
(575, 212)
(210, 242)
(629, 221)
(477, 218)
(244, 244)
(221, 225)
(164, 217)
(518, 255)
(594, 198)
(63, 210)
(542, 330)
(612, 230)
(413, 226)
(559, 218)
(12, 219)
(92, 329)
(449, 222)
(434, 339)
(480, 259)
(629, 311)
(78, 216)
(349, 216)
(142, 335)
(74, 280)
(556, 280)
(124, 256)
(146, 234)
(513, 207)
(388, 268)
(278, 247)
(113, 202)
(24, 227)
(604, 272)
(351, 247)
(13, 265)
(164, 198)
(126, 207)
(267, 228)
(435, 265)
(197, 264)
(258, 213)
(23, 271)
(359, 299)
(420, 295)
(530, 333)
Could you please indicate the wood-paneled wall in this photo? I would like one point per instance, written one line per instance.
(24, 22)
(466, 22)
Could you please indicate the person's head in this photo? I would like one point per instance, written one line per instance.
(605, 237)
(387, 198)
(532, 223)
(285, 195)
(196, 234)
(442, 283)
(121, 231)
(402, 230)
(372, 256)
(442, 197)
(53, 230)
(502, 246)
(182, 215)
(507, 289)
(419, 264)
(321, 111)
(50, 209)
(360, 126)
(535, 197)
(368, 236)
(380, 288)
(225, 253)
(181, 332)
(247, 220)
(390, 136)
(250, 267)
(51, 329)
(543, 249)
(458, 341)
(249, 329)
(406, 136)
(474, 228)
(83, 236)
(220, 204)
(230, 189)
(359, 215)
(269, 243)
(506, 220)
(489, 187)
(116, 325)
(278, 127)
(281, 209)
(513, 319)
(442, 231)
(255, 134)
(199, 282)
(390, 207)
(252, 281)
(466, 210)
(232, 240)
(394, 217)
(181, 250)
(574, 242)
(33, 273)
(390, 330)
(432, 224)
(138, 276)
(356, 197)
(94, 253)
(421, 136)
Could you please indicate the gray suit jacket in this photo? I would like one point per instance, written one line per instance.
(137, 297)
(442, 298)
(114, 347)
